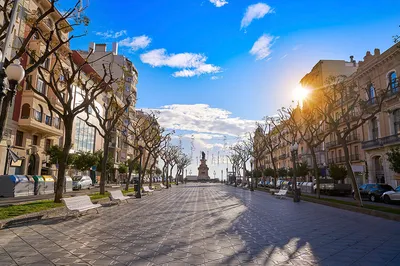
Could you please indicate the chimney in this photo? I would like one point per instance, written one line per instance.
(101, 47)
(115, 48)
(351, 58)
(92, 47)
(367, 56)
(377, 52)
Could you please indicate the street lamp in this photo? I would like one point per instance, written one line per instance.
(7, 155)
(139, 187)
(294, 149)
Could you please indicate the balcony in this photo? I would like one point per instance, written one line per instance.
(34, 122)
(380, 142)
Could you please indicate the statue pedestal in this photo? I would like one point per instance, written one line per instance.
(203, 170)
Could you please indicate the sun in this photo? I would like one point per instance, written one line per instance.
(300, 93)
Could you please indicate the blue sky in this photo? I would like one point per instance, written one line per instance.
(228, 79)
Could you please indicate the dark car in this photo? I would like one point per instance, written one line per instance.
(373, 192)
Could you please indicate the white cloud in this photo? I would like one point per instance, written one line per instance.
(190, 63)
(216, 77)
(262, 47)
(135, 43)
(255, 11)
(219, 3)
(201, 118)
(203, 136)
(111, 34)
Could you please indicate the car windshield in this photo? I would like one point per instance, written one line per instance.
(398, 189)
(386, 187)
(77, 178)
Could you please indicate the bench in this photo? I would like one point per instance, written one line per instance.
(281, 194)
(116, 195)
(79, 204)
(147, 190)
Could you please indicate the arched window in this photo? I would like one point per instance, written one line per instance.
(372, 94)
(393, 82)
(25, 111)
(38, 114)
(396, 121)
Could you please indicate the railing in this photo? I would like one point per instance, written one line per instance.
(381, 141)
(331, 144)
(331, 160)
(340, 159)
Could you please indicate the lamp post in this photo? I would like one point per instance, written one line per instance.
(138, 192)
(294, 149)
(7, 157)
(252, 175)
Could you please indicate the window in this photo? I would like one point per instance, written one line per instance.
(396, 121)
(356, 150)
(374, 128)
(372, 94)
(47, 120)
(84, 136)
(61, 78)
(47, 144)
(25, 111)
(35, 140)
(393, 82)
(19, 138)
(40, 86)
(46, 63)
(38, 114)
(56, 122)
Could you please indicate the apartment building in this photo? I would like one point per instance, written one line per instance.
(31, 128)
(379, 73)
(123, 70)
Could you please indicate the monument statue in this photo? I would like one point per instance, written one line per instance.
(203, 168)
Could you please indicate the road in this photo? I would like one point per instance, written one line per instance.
(206, 224)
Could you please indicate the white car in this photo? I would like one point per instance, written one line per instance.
(80, 182)
(393, 195)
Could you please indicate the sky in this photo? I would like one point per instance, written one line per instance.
(212, 68)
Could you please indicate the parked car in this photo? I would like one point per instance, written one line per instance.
(392, 195)
(373, 192)
(80, 182)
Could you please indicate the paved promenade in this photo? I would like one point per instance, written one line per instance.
(206, 224)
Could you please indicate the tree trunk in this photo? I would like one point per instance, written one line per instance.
(62, 164)
(103, 176)
(129, 178)
(350, 172)
(316, 172)
(275, 172)
(167, 185)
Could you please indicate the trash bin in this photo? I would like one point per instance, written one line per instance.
(31, 187)
(68, 184)
(13, 186)
(48, 184)
(39, 185)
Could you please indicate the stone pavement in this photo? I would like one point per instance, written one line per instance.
(206, 224)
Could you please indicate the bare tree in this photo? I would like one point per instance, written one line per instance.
(243, 150)
(235, 160)
(271, 141)
(344, 111)
(78, 88)
(257, 147)
(310, 127)
(110, 118)
(183, 161)
(52, 41)
(167, 156)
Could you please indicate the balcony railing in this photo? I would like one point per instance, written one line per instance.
(380, 142)
(340, 159)
(283, 156)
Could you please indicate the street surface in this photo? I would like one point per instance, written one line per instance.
(206, 224)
